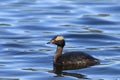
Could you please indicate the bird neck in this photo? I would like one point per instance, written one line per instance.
(58, 53)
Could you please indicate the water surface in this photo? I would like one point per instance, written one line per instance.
(27, 25)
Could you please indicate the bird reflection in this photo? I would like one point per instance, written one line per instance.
(58, 70)
(60, 73)
(80, 76)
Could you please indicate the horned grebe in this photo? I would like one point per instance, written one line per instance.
(70, 60)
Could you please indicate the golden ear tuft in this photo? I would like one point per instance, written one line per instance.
(59, 38)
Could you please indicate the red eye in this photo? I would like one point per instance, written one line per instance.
(53, 41)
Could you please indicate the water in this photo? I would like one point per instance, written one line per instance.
(27, 25)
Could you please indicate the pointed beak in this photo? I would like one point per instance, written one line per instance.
(51, 42)
(48, 42)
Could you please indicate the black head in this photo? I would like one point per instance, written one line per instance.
(58, 40)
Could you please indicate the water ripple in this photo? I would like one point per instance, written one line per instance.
(27, 25)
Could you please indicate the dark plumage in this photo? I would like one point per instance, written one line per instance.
(70, 60)
(75, 60)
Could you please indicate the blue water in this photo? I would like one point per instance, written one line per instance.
(91, 26)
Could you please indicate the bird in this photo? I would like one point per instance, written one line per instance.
(70, 60)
